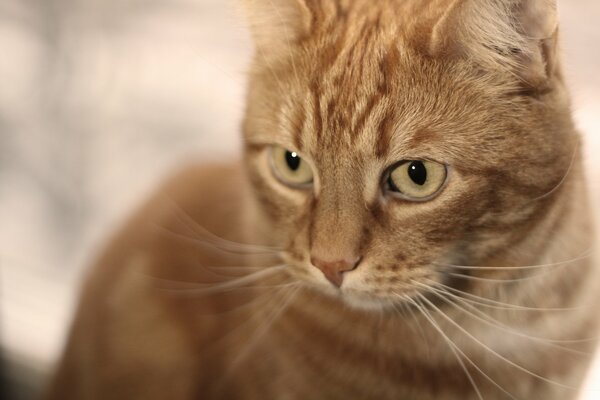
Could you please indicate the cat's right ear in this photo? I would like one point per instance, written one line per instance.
(277, 24)
(519, 36)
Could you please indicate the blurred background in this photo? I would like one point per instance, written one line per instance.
(100, 100)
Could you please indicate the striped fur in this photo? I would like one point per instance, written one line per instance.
(487, 291)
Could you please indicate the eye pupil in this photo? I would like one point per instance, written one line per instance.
(292, 160)
(417, 172)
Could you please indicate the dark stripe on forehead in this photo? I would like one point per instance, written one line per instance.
(318, 118)
(421, 137)
(371, 104)
(387, 67)
(384, 136)
(330, 54)
(360, 51)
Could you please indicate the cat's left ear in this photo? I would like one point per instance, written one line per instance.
(277, 24)
(520, 35)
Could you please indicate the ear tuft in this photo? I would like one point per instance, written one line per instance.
(515, 35)
(276, 24)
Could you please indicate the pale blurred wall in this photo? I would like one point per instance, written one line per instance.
(101, 99)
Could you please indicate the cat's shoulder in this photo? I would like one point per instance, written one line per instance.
(170, 227)
(128, 314)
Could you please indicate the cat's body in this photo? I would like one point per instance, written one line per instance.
(483, 289)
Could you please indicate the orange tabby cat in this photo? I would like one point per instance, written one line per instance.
(413, 182)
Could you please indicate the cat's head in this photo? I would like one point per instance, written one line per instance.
(386, 139)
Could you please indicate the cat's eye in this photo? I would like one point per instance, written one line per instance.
(417, 180)
(290, 168)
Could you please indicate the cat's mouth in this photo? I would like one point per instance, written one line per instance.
(375, 300)
(355, 298)
(362, 297)
(358, 290)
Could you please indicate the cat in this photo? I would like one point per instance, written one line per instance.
(409, 221)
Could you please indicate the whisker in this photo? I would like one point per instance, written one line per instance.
(508, 306)
(451, 343)
(487, 302)
(272, 299)
(493, 280)
(259, 297)
(261, 331)
(233, 248)
(586, 254)
(211, 288)
(228, 272)
(492, 351)
(453, 347)
(235, 268)
(211, 238)
(490, 321)
(405, 299)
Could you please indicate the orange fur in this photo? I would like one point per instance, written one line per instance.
(483, 291)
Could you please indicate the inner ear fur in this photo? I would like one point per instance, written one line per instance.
(519, 36)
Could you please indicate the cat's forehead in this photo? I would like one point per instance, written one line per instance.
(387, 103)
(362, 87)
(365, 89)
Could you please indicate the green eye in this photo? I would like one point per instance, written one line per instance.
(290, 168)
(417, 180)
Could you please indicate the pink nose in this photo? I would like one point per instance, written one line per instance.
(334, 270)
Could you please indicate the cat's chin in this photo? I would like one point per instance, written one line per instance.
(355, 299)
(365, 302)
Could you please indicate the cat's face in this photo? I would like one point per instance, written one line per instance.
(375, 163)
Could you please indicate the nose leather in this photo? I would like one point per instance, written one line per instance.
(334, 270)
